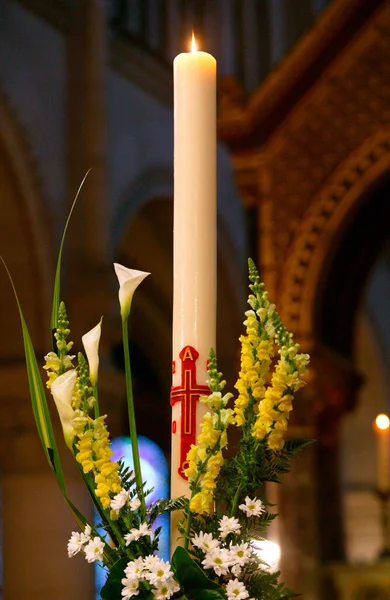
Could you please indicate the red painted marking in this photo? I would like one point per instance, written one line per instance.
(188, 395)
(173, 426)
(173, 367)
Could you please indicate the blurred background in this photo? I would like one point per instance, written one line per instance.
(303, 183)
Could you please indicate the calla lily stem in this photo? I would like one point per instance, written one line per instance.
(96, 405)
(132, 423)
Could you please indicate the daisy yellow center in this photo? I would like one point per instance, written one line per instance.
(160, 573)
(218, 561)
(240, 553)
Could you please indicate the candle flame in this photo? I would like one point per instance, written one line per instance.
(193, 43)
(382, 422)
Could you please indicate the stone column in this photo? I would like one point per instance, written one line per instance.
(90, 274)
(226, 51)
(297, 505)
(251, 51)
(87, 123)
(336, 384)
(309, 503)
(278, 30)
(35, 520)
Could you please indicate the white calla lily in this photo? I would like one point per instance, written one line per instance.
(62, 390)
(91, 346)
(129, 280)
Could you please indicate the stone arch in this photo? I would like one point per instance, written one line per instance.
(25, 239)
(156, 182)
(322, 226)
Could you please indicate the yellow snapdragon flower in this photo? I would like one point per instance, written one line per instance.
(256, 357)
(56, 363)
(205, 459)
(274, 410)
(94, 455)
(265, 410)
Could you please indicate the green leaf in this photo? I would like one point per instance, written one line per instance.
(113, 587)
(293, 446)
(38, 398)
(57, 279)
(192, 579)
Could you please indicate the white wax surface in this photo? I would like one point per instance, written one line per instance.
(195, 229)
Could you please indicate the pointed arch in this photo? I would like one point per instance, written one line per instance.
(25, 240)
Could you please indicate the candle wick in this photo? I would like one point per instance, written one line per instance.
(193, 43)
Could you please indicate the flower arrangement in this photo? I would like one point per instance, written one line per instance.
(226, 510)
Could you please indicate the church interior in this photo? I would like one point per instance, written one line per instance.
(303, 176)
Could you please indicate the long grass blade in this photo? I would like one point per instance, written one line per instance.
(57, 279)
(38, 397)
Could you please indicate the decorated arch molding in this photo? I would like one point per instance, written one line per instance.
(322, 225)
(306, 169)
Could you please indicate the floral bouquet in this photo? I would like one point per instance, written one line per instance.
(226, 511)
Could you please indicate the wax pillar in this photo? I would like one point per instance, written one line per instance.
(194, 295)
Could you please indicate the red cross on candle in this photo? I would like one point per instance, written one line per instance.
(188, 395)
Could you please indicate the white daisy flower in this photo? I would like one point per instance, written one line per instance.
(119, 501)
(75, 543)
(87, 533)
(130, 588)
(228, 525)
(135, 504)
(94, 550)
(165, 589)
(218, 559)
(135, 568)
(159, 572)
(204, 541)
(135, 533)
(236, 570)
(252, 508)
(236, 590)
(150, 561)
(240, 553)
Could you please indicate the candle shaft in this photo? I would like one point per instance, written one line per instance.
(383, 461)
(194, 293)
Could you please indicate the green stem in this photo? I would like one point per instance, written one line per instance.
(188, 530)
(235, 500)
(132, 423)
(96, 406)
